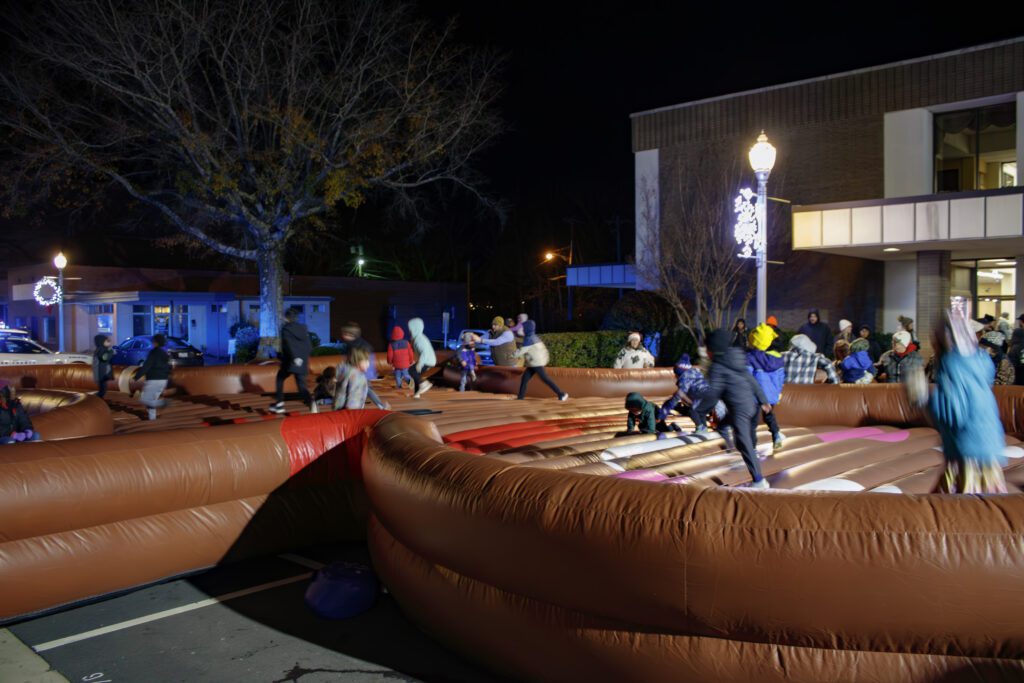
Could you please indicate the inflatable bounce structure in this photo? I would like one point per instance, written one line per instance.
(524, 534)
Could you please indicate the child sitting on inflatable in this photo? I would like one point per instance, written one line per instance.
(15, 424)
(353, 387)
(641, 418)
(326, 385)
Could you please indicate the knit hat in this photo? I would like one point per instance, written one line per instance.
(987, 319)
(843, 324)
(634, 335)
(684, 362)
(905, 321)
(498, 321)
(467, 337)
(718, 341)
(902, 337)
(772, 320)
(762, 336)
(803, 343)
(859, 344)
(994, 339)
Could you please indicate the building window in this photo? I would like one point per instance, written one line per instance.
(97, 309)
(142, 320)
(976, 149)
(319, 308)
(989, 283)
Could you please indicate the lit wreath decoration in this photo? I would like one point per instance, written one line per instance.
(51, 300)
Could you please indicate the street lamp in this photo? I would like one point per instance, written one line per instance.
(762, 159)
(61, 261)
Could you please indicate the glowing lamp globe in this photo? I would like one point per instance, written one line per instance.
(61, 261)
(548, 256)
(762, 155)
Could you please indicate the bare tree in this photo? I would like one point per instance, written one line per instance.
(691, 252)
(242, 121)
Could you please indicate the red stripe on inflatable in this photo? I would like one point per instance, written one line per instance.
(328, 445)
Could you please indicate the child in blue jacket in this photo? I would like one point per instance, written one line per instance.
(769, 370)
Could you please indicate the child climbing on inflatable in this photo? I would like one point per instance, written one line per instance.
(326, 385)
(641, 417)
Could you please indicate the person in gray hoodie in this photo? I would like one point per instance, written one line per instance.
(425, 358)
(535, 356)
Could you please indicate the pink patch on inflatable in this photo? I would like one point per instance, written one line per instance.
(846, 434)
(890, 437)
(642, 475)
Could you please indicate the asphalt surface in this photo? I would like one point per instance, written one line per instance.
(268, 634)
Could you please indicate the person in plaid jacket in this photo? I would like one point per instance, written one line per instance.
(803, 360)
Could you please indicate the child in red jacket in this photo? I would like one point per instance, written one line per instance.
(400, 356)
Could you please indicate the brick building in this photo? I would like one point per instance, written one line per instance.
(903, 181)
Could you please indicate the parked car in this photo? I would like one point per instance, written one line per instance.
(133, 351)
(18, 348)
(483, 351)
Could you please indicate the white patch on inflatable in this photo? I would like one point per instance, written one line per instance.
(885, 488)
(1014, 452)
(830, 484)
(616, 466)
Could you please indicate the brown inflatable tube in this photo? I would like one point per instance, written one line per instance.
(97, 515)
(58, 415)
(594, 578)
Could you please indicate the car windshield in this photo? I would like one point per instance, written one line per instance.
(11, 345)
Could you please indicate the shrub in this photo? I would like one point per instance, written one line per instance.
(584, 349)
(314, 339)
(328, 350)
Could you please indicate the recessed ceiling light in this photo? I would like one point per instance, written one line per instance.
(891, 249)
(1007, 263)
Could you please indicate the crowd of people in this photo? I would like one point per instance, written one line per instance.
(739, 380)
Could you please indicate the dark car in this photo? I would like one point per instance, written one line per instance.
(133, 351)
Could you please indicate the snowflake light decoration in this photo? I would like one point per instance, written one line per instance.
(746, 229)
(55, 295)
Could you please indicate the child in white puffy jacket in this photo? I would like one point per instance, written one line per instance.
(535, 357)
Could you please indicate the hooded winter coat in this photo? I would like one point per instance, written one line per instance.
(855, 366)
(425, 357)
(645, 422)
(400, 355)
(13, 416)
(534, 353)
(874, 350)
(731, 381)
(295, 345)
(819, 333)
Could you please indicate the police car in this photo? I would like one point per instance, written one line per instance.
(18, 348)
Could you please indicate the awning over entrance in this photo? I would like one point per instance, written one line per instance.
(970, 225)
(610, 275)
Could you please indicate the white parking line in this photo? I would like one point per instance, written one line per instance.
(85, 635)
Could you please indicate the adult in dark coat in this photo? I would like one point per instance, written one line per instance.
(102, 368)
(874, 349)
(731, 381)
(1016, 355)
(295, 350)
(818, 332)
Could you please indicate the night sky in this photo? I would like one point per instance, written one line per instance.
(576, 73)
(573, 76)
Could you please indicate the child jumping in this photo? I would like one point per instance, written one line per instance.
(425, 358)
(157, 371)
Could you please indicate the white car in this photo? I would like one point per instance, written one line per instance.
(19, 349)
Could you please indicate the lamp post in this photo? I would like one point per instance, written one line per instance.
(61, 261)
(762, 159)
